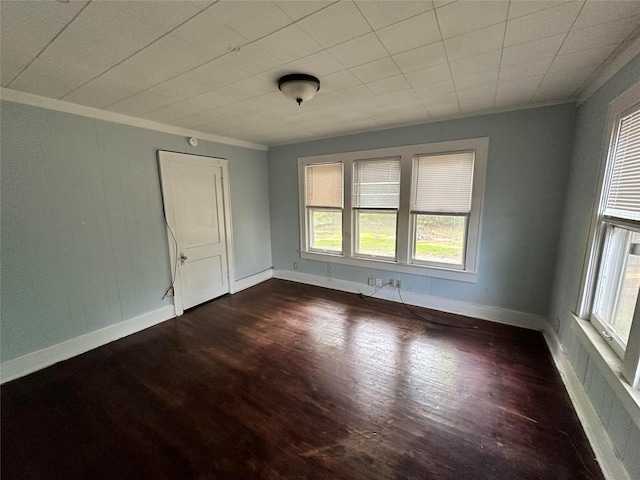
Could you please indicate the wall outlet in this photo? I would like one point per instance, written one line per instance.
(391, 282)
(370, 281)
(378, 282)
(295, 265)
(398, 283)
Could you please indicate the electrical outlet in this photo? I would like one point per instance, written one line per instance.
(295, 265)
(398, 283)
(378, 282)
(370, 281)
(391, 282)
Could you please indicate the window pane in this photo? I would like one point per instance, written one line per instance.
(619, 281)
(442, 183)
(325, 229)
(376, 183)
(324, 185)
(623, 197)
(376, 233)
(440, 238)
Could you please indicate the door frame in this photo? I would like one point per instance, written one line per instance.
(168, 213)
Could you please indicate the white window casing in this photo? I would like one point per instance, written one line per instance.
(611, 260)
(370, 184)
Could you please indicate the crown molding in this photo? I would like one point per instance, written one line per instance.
(606, 72)
(81, 110)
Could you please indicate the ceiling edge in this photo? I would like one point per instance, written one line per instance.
(460, 116)
(75, 109)
(610, 69)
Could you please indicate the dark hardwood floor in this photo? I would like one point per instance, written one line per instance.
(291, 381)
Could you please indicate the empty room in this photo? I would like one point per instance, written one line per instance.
(320, 239)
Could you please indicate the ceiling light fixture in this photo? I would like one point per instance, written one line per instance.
(299, 86)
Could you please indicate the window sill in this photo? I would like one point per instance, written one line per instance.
(458, 275)
(609, 365)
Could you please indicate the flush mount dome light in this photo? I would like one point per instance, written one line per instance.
(299, 86)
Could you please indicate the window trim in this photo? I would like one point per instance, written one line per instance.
(631, 359)
(402, 263)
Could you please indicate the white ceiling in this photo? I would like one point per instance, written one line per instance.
(213, 66)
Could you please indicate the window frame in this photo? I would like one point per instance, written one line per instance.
(600, 224)
(358, 210)
(404, 241)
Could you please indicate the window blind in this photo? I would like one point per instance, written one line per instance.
(376, 183)
(442, 183)
(623, 197)
(324, 185)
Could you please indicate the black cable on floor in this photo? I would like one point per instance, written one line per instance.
(462, 327)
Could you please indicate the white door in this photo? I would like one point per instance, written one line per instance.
(194, 202)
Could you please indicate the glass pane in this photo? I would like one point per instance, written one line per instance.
(326, 229)
(376, 233)
(626, 305)
(440, 238)
(619, 281)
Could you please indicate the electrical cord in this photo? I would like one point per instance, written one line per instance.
(415, 314)
(362, 295)
(175, 256)
(462, 327)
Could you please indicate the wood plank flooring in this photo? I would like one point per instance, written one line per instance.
(291, 381)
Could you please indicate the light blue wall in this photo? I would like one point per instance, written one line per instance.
(83, 242)
(524, 194)
(581, 193)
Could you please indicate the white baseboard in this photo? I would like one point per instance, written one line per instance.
(494, 314)
(612, 466)
(253, 280)
(34, 361)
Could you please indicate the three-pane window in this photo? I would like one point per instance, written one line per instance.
(411, 209)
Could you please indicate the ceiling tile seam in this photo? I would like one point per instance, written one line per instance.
(394, 23)
(306, 16)
(444, 45)
(548, 8)
(504, 36)
(388, 53)
(221, 56)
(470, 31)
(138, 51)
(544, 76)
(635, 33)
(552, 5)
(48, 44)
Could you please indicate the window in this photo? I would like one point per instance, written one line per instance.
(376, 198)
(440, 207)
(324, 207)
(618, 279)
(413, 209)
(612, 269)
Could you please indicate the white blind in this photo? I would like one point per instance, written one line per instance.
(324, 185)
(442, 183)
(623, 197)
(376, 183)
